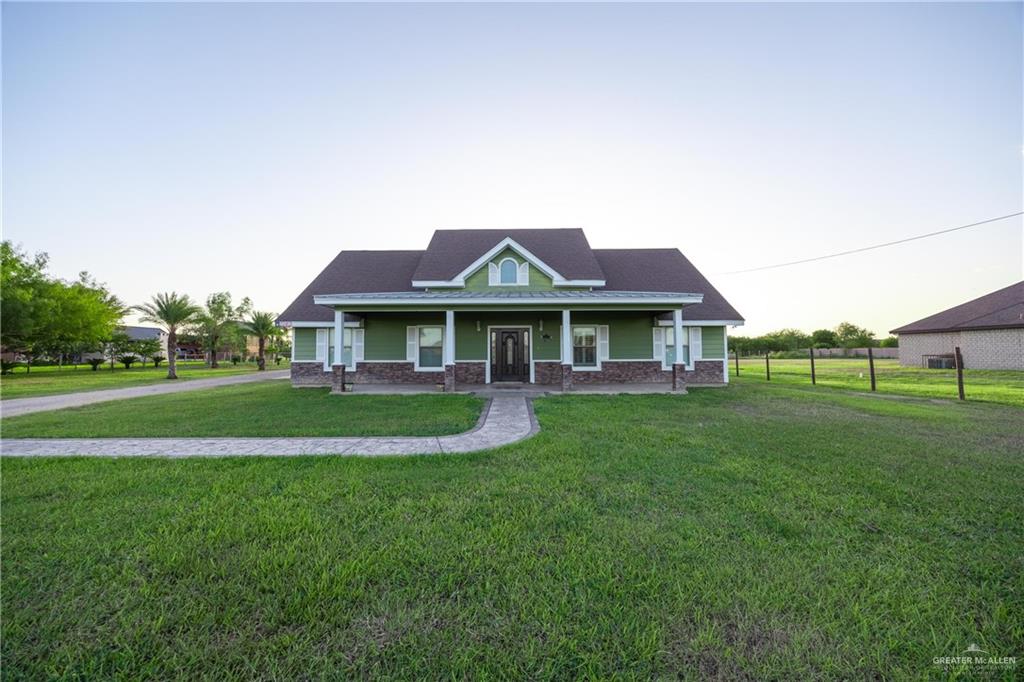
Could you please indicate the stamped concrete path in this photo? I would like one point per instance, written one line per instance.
(505, 420)
(16, 406)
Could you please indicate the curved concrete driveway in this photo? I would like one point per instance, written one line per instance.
(505, 420)
(16, 406)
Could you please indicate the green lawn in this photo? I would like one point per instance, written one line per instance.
(986, 385)
(271, 408)
(757, 531)
(51, 380)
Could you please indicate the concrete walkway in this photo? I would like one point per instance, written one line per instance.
(505, 420)
(12, 408)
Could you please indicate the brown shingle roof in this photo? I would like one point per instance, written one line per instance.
(452, 251)
(663, 270)
(1000, 309)
(354, 272)
(649, 270)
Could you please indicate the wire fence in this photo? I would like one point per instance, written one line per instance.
(885, 375)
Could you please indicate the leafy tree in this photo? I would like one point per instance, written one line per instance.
(851, 336)
(218, 321)
(117, 346)
(147, 348)
(889, 342)
(172, 311)
(261, 325)
(22, 283)
(824, 338)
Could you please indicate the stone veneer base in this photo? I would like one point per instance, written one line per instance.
(545, 373)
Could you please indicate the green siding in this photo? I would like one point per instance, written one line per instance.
(713, 343)
(384, 338)
(305, 343)
(629, 333)
(471, 344)
(538, 280)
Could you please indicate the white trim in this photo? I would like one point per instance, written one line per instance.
(487, 366)
(416, 357)
(339, 343)
(677, 337)
(686, 358)
(696, 345)
(448, 341)
(293, 345)
(565, 332)
(439, 304)
(556, 279)
(318, 325)
(597, 349)
(725, 355)
(704, 323)
(518, 273)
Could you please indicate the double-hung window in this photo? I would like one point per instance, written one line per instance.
(665, 345)
(431, 347)
(584, 346)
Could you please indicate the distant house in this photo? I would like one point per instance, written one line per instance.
(147, 333)
(989, 331)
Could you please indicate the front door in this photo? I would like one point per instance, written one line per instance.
(510, 355)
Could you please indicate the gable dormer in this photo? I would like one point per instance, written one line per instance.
(500, 261)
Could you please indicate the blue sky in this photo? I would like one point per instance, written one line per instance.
(203, 147)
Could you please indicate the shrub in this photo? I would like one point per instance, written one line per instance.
(127, 360)
(7, 367)
(157, 359)
(790, 354)
(95, 363)
(235, 359)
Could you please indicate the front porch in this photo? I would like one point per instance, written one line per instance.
(585, 350)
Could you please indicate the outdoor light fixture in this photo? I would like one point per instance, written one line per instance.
(540, 324)
(478, 325)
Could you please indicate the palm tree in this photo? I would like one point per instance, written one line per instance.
(261, 325)
(171, 311)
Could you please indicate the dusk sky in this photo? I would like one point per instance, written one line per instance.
(207, 147)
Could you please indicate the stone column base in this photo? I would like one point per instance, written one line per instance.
(449, 378)
(337, 379)
(566, 377)
(679, 377)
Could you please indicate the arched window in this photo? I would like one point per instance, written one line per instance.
(507, 271)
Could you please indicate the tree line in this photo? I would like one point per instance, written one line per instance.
(846, 335)
(53, 320)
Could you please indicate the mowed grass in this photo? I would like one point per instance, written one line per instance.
(42, 381)
(271, 409)
(997, 386)
(757, 531)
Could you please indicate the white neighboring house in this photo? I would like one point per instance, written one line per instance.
(144, 333)
(989, 331)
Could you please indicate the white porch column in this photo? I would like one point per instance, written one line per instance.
(449, 337)
(566, 338)
(339, 337)
(677, 332)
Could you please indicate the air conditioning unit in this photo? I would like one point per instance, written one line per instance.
(942, 362)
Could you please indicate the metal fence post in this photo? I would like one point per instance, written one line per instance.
(767, 368)
(959, 372)
(737, 362)
(871, 367)
(814, 380)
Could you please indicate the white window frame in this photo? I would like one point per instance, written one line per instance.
(522, 273)
(412, 346)
(660, 339)
(357, 344)
(597, 346)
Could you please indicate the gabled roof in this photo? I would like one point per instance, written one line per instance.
(354, 272)
(452, 251)
(1000, 309)
(663, 270)
(639, 271)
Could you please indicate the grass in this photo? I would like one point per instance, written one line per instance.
(986, 385)
(271, 408)
(52, 381)
(758, 531)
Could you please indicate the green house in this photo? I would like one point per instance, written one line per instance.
(510, 306)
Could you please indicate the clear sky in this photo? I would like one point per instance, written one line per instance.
(204, 147)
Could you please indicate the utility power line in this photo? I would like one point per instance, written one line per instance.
(875, 246)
